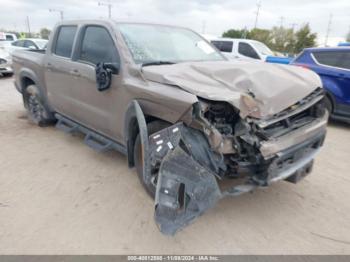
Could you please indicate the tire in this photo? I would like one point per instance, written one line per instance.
(328, 104)
(149, 186)
(38, 113)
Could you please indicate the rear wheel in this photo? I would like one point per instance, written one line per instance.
(150, 186)
(38, 113)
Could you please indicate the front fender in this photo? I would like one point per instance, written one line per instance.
(332, 88)
(135, 123)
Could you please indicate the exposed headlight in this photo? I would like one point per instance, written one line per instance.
(3, 61)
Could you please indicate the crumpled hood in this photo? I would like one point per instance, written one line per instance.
(257, 89)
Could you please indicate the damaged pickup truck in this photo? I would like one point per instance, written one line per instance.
(196, 126)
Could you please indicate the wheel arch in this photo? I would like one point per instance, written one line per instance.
(135, 122)
(27, 77)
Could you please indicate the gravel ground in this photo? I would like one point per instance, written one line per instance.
(58, 196)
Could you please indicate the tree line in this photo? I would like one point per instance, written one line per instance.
(280, 39)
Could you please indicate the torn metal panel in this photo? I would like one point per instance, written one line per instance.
(191, 140)
(256, 89)
(185, 190)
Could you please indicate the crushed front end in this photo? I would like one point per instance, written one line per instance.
(195, 161)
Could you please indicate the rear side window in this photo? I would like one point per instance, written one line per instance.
(246, 50)
(223, 46)
(18, 43)
(65, 40)
(29, 44)
(97, 46)
(336, 59)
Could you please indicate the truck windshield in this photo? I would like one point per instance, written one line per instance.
(152, 43)
(263, 49)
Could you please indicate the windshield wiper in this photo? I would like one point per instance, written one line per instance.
(157, 63)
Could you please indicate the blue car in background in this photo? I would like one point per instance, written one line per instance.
(333, 66)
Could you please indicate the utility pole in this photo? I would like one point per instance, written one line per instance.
(282, 21)
(245, 33)
(328, 29)
(293, 25)
(109, 5)
(28, 26)
(58, 11)
(258, 5)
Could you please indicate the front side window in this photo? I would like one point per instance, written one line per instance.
(149, 43)
(263, 49)
(97, 46)
(223, 46)
(246, 50)
(335, 59)
(65, 40)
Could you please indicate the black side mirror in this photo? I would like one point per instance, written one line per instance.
(104, 73)
(114, 67)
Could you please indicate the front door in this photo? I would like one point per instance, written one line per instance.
(91, 107)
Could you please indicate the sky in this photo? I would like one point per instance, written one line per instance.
(204, 16)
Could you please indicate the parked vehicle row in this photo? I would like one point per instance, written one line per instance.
(9, 43)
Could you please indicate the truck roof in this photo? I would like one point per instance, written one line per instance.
(113, 21)
(313, 49)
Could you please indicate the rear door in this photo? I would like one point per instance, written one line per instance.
(335, 65)
(59, 72)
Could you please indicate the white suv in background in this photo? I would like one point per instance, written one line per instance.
(242, 48)
(5, 63)
(234, 48)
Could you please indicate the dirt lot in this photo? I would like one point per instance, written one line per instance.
(59, 196)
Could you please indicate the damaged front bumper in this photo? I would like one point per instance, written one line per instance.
(187, 180)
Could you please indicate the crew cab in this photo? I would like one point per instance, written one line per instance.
(333, 66)
(183, 115)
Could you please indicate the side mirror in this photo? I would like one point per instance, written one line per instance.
(104, 73)
(113, 67)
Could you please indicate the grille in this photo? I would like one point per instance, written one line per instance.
(288, 120)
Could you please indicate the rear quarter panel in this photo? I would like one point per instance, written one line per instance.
(29, 64)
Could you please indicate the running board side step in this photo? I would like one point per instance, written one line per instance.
(97, 142)
(66, 125)
(92, 139)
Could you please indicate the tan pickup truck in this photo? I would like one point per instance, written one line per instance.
(196, 126)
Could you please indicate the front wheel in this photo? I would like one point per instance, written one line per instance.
(38, 113)
(150, 186)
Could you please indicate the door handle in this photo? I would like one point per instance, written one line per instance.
(75, 72)
(49, 66)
